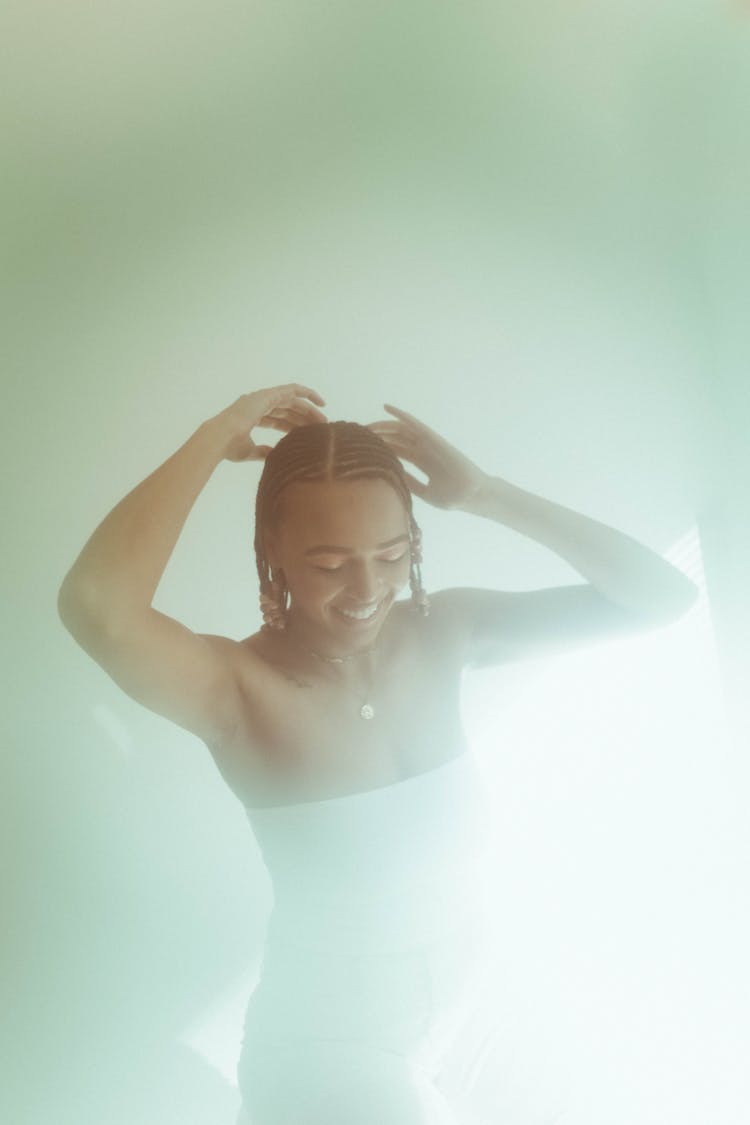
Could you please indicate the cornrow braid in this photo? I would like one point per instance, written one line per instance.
(327, 452)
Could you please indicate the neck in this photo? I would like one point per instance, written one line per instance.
(322, 645)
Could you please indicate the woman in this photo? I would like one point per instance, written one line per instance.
(338, 727)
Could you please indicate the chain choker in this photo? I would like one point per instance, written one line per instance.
(366, 710)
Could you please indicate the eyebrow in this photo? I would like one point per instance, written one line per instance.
(328, 550)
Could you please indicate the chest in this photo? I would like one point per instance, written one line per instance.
(303, 737)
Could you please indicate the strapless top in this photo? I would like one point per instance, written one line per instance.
(383, 869)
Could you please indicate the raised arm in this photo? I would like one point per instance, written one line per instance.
(105, 600)
(630, 588)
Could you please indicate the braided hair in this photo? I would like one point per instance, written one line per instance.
(327, 452)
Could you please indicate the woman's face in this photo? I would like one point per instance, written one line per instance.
(342, 546)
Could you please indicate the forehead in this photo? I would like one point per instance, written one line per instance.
(345, 513)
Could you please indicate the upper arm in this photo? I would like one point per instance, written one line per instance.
(186, 677)
(496, 626)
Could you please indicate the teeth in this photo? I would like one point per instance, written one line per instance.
(360, 615)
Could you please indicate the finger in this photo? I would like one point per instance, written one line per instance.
(306, 392)
(296, 415)
(417, 487)
(278, 397)
(410, 419)
(313, 415)
(397, 431)
(298, 409)
(278, 424)
(383, 429)
(391, 436)
(309, 411)
(404, 450)
(398, 444)
(255, 453)
(401, 413)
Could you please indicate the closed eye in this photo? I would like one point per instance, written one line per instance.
(330, 569)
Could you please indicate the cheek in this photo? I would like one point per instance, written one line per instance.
(322, 585)
(313, 584)
(402, 572)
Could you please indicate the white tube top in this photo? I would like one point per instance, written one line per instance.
(381, 870)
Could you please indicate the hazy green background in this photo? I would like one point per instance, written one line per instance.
(527, 225)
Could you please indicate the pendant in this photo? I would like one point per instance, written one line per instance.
(366, 711)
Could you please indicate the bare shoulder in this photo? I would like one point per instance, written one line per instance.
(257, 667)
(439, 636)
(448, 626)
(493, 627)
(247, 673)
(187, 677)
(225, 647)
(243, 665)
(242, 658)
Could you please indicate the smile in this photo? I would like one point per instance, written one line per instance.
(366, 614)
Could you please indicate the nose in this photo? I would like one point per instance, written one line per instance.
(365, 587)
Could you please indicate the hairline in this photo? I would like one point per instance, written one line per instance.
(366, 475)
(328, 470)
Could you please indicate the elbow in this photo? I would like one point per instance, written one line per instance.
(69, 606)
(83, 618)
(85, 608)
(74, 604)
(68, 596)
(64, 603)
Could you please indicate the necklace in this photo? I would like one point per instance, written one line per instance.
(366, 710)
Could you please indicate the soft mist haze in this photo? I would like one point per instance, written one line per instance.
(527, 226)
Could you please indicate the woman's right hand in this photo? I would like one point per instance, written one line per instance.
(278, 408)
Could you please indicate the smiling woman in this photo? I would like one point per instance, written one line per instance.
(339, 579)
(338, 727)
(361, 486)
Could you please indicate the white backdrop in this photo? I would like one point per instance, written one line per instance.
(515, 224)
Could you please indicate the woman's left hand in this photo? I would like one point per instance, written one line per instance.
(453, 479)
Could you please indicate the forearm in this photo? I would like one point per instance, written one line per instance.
(122, 563)
(625, 571)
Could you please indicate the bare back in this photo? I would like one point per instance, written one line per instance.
(300, 736)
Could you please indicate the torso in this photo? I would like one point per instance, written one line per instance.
(300, 736)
